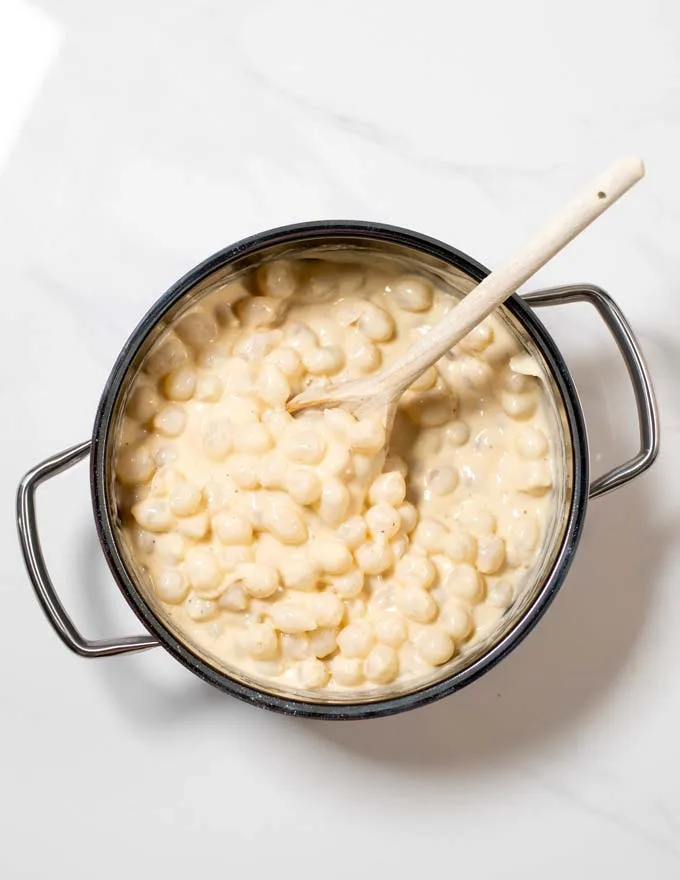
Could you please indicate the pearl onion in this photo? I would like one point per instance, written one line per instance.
(532, 443)
(295, 646)
(277, 421)
(277, 279)
(347, 671)
(143, 403)
(252, 437)
(501, 594)
(292, 617)
(409, 517)
(169, 548)
(238, 376)
(427, 381)
(460, 546)
(195, 527)
(145, 542)
(243, 471)
(374, 557)
(260, 580)
(165, 356)
(382, 665)
(165, 456)
(170, 586)
(285, 522)
(366, 358)
(383, 521)
(200, 609)
(324, 361)
(411, 294)
(234, 598)
(287, 361)
(457, 433)
(434, 645)
(430, 535)
(516, 383)
(272, 385)
(328, 609)
(185, 499)
(303, 445)
(441, 480)
(455, 620)
(432, 410)
(518, 406)
(339, 462)
(269, 550)
(339, 421)
(298, 572)
(536, 478)
(330, 555)
(256, 346)
(334, 501)
(391, 630)
(376, 323)
(417, 605)
(232, 528)
(261, 641)
(153, 514)
(353, 531)
(367, 436)
(348, 585)
(356, 609)
(301, 337)
(478, 339)
(198, 329)
(323, 642)
(415, 571)
(303, 486)
(356, 639)
(490, 553)
(465, 582)
(180, 383)
(389, 487)
(202, 570)
(272, 470)
(312, 673)
(134, 465)
(258, 311)
(217, 439)
(399, 546)
(170, 421)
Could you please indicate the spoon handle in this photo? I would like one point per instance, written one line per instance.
(502, 282)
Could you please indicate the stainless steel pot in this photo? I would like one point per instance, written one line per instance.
(459, 273)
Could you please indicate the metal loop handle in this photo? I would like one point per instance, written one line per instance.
(37, 569)
(645, 402)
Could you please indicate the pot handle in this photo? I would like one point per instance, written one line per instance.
(645, 402)
(37, 569)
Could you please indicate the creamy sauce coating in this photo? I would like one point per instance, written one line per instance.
(293, 550)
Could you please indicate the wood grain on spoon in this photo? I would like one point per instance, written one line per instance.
(381, 392)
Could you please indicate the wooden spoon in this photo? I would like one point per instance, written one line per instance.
(380, 393)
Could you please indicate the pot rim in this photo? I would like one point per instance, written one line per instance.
(575, 515)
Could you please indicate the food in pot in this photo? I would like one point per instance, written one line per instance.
(299, 551)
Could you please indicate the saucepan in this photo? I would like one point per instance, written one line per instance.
(458, 273)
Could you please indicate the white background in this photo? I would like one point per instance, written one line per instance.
(136, 138)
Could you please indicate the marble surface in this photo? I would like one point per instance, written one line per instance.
(138, 137)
